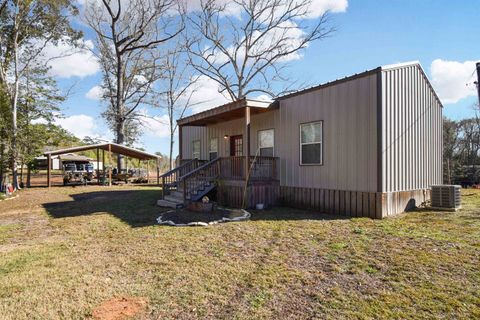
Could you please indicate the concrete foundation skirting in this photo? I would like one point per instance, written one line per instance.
(231, 193)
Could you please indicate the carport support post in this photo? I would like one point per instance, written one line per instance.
(148, 171)
(49, 165)
(110, 165)
(98, 166)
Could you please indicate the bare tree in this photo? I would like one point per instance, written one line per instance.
(128, 34)
(246, 53)
(175, 91)
(26, 29)
(451, 140)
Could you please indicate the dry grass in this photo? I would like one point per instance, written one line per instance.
(66, 251)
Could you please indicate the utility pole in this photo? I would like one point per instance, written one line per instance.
(478, 82)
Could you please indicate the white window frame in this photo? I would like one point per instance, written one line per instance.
(315, 142)
(199, 149)
(210, 151)
(258, 141)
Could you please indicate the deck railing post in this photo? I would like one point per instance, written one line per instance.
(184, 190)
(163, 187)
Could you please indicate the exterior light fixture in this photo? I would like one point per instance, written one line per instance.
(225, 137)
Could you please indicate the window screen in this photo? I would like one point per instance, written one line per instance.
(311, 143)
(266, 142)
(196, 149)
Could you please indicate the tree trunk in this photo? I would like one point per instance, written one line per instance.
(120, 140)
(170, 155)
(14, 150)
(2, 160)
(120, 120)
(14, 102)
(29, 176)
(21, 173)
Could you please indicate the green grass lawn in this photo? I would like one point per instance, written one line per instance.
(65, 251)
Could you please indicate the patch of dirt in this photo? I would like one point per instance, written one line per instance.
(119, 308)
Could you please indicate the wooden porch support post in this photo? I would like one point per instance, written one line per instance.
(247, 137)
(110, 163)
(180, 144)
(49, 171)
(158, 173)
(98, 166)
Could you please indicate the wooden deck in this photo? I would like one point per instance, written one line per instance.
(236, 178)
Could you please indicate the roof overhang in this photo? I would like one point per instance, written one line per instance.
(109, 146)
(230, 111)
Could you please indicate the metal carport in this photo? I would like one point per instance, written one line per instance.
(109, 147)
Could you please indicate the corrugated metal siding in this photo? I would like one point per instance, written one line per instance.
(230, 128)
(190, 134)
(412, 131)
(348, 111)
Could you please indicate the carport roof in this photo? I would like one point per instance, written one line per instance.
(114, 147)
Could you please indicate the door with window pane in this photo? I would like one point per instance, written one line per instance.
(236, 150)
(236, 146)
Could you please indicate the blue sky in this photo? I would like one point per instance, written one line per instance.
(441, 34)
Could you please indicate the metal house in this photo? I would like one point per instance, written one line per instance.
(365, 145)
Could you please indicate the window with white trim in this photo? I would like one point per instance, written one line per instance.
(213, 150)
(196, 149)
(311, 143)
(266, 142)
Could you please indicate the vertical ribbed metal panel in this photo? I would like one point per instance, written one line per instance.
(228, 128)
(191, 134)
(412, 141)
(349, 114)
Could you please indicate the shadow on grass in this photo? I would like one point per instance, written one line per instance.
(135, 207)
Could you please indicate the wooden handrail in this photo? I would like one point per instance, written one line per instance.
(177, 168)
(203, 166)
(197, 176)
(200, 178)
(171, 179)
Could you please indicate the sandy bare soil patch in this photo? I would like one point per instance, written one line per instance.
(119, 308)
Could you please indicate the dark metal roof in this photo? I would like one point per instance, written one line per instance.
(114, 147)
(229, 111)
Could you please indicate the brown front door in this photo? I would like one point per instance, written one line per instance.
(236, 146)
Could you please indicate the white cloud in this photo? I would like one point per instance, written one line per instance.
(319, 7)
(205, 95)
(264, 97)
(156, 126)
(95, 93)
(68, 61)
(450, 79)
(286, 37)
(79, 125)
